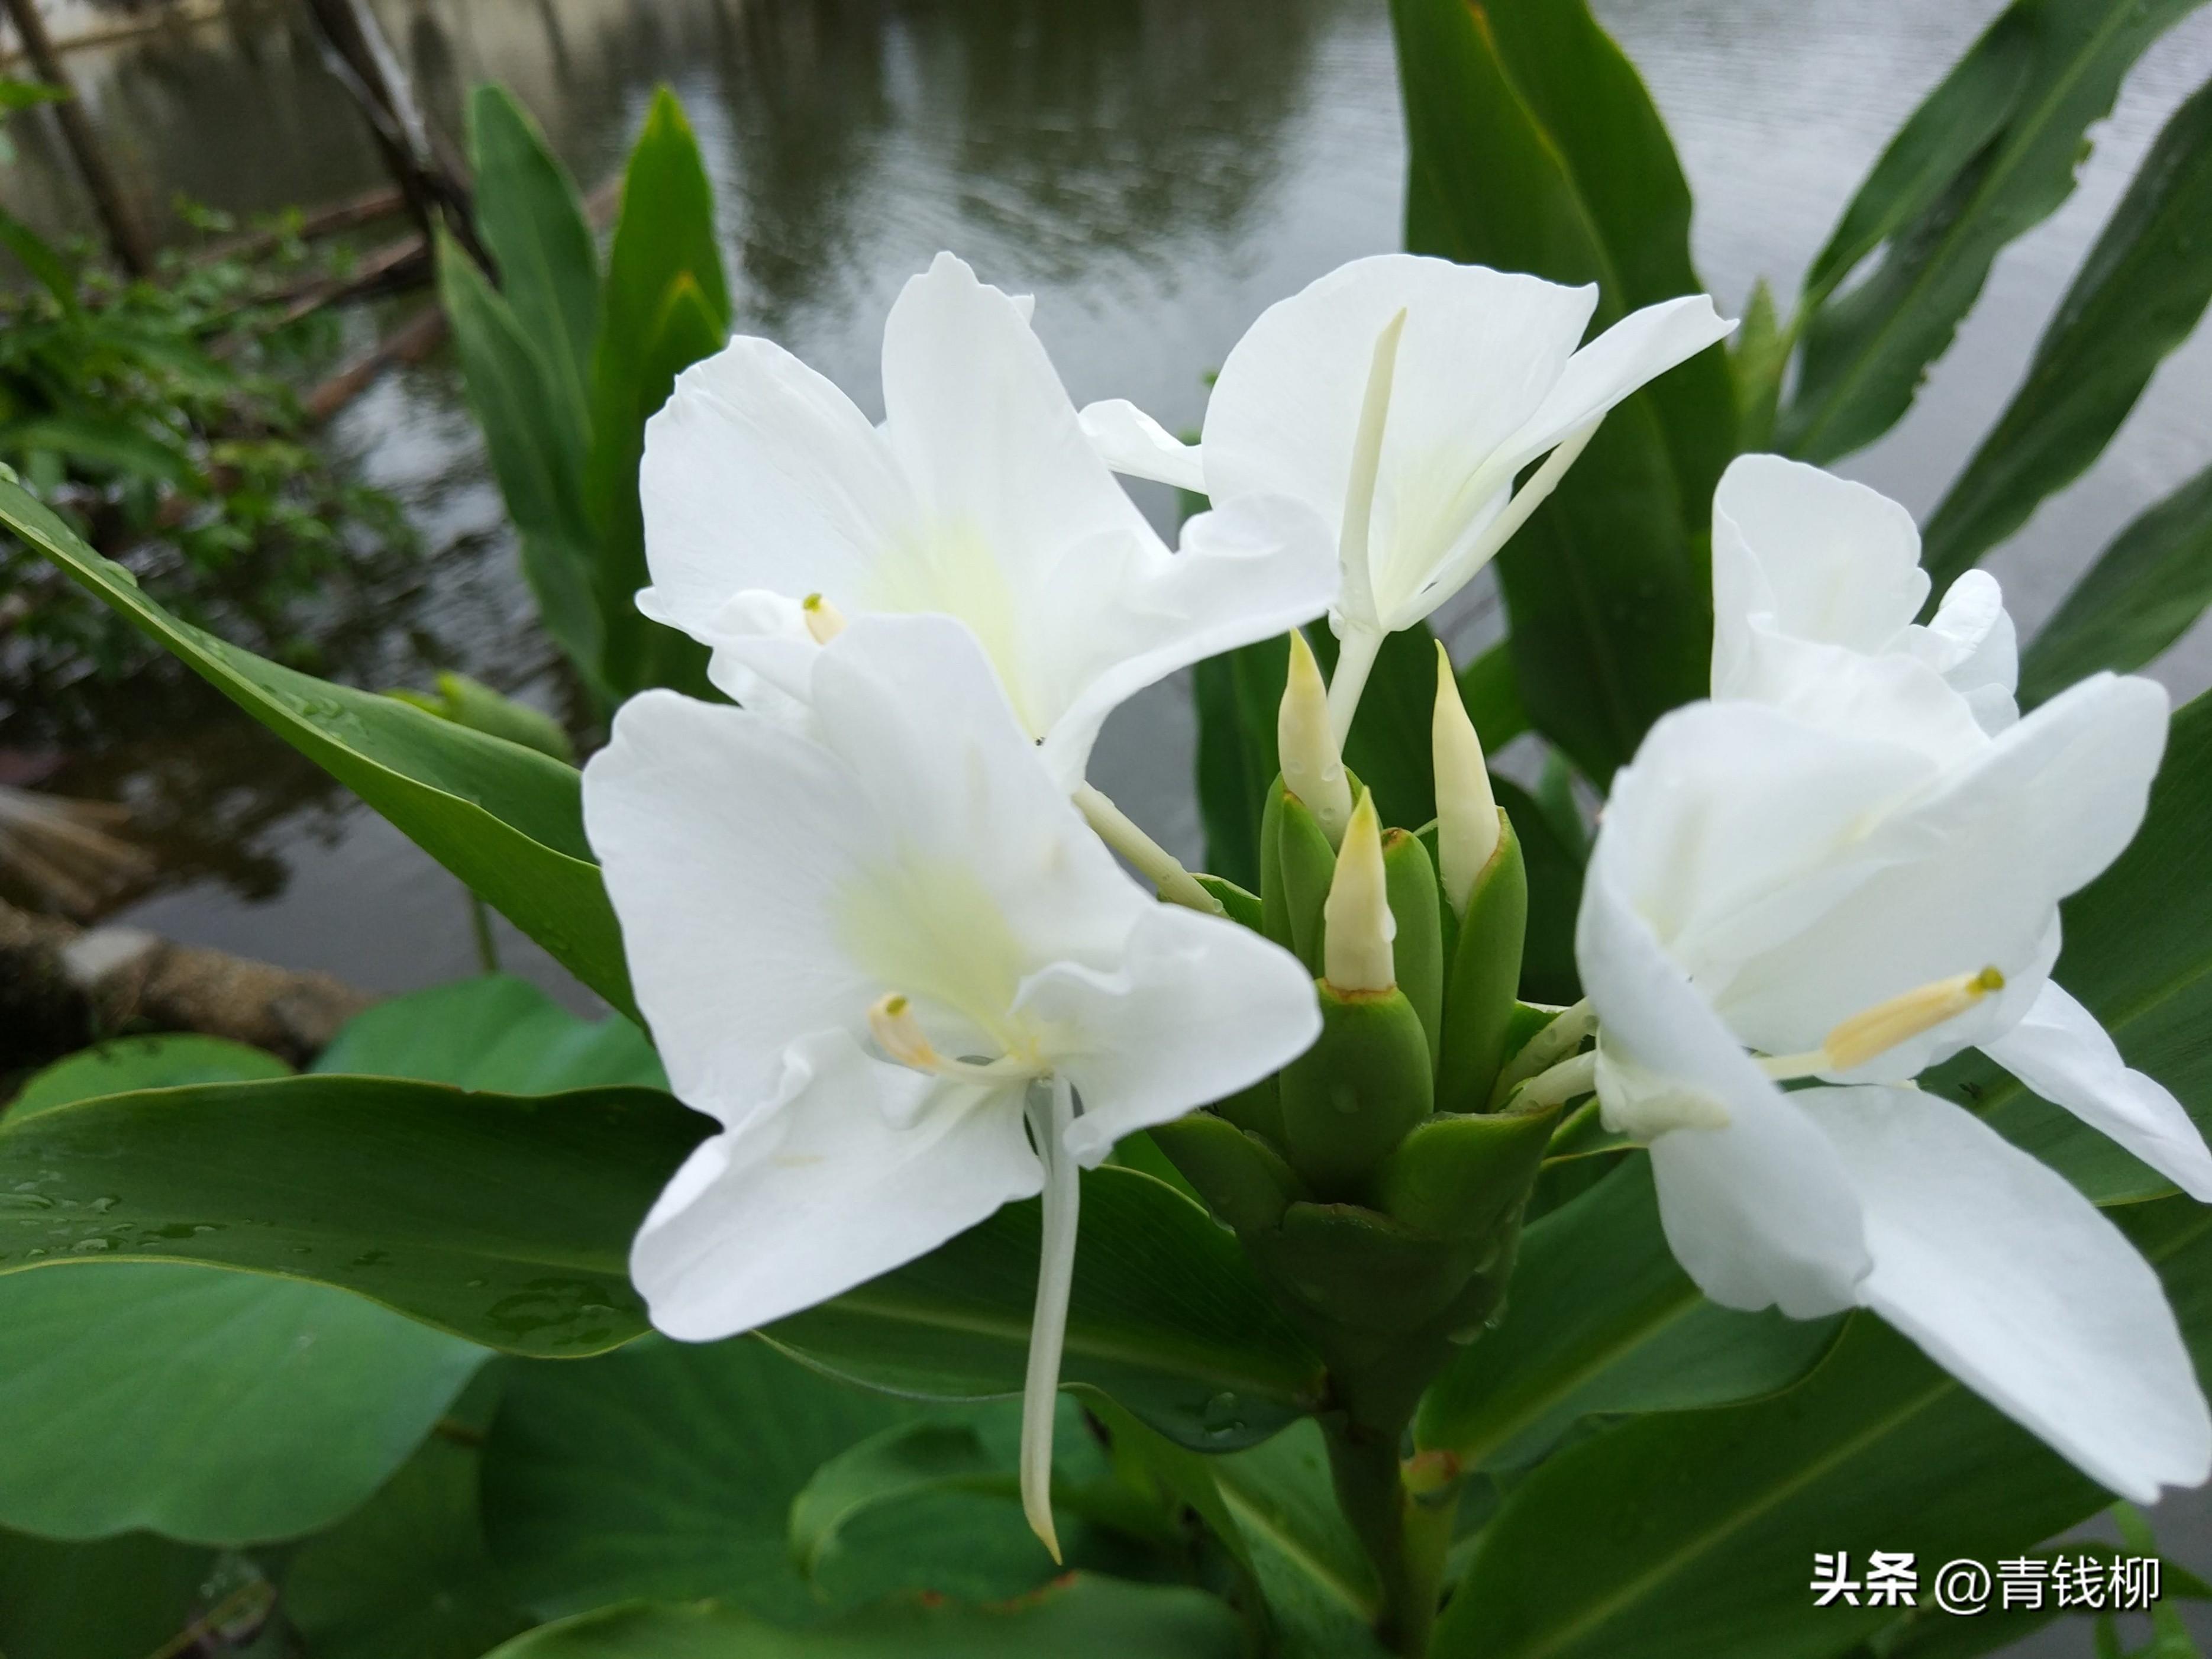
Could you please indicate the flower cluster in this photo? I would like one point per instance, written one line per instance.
(872, 915)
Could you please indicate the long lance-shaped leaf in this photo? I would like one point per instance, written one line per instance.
(2138, 955)
(1534, 147)
(507, 820)
(1989, 153)
(2144, 593)
(1601, 1320)
(508, 1219)
(2137, 297)
(533, 223)
(1711, 1518)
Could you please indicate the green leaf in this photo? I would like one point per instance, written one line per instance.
(122, 1598)
(1991, 152)
(1600, 1320)
(2137, 297)
(497, 1033)
(665, 305)
(1168, 1317)
(214, 1407)
(532, 223)
(107, 444)
(2138, 948)
(407, 1576)
(1534, 146)
(538, 443)
(2144, 593)
(1711, 1518)
(907, 1460)
(26, 94)
(123, 1064)
(1081, 1617)
(1238, 696)
(507, 820)
(671, 1472)
(472, 703)
(501, 1219)
(1493, 697)
(1554, 866)
(39, 257)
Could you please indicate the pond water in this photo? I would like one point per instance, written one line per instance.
(1156, 170)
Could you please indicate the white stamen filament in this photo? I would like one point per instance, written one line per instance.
(1158, 865)
(1869, 1035)
(1305, 747)
(1363, 639)
(1546, 1049)
(1048, 1329)
(824, 621)
(900, 1036)
(1556, 1084)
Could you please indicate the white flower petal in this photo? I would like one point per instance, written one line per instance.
(2062, 1053)
(1136, 445)
(724, 840)
(1973, 643)
(1198, 1008)
(759, 473)
(993, 448)
(1970, 876)
(1248, 571)
(822, 1194)
(2012, 1282)
(1822, 559)
(1638, 348)
(1757, 1213)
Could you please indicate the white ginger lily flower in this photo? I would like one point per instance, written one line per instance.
(1399, 397)
(978, 497)
(885, 954)
(1769, 901)
(1816, 582)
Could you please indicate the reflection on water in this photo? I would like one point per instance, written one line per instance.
(1155, 170)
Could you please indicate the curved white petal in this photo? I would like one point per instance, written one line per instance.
(820, 1193)
(763, 653)
(1248, 570)
(1199, 1008)
(1889, 697)
(1136, 445)
(1972, 643)
(724, 840)
(2062, 1053)
(991, 446)
(985, 837)
(1737, 827)
(1821, 558)
(1638, 348)
(1970, 875)
(1758, 1212)
(759, 473)
(2014, 1283)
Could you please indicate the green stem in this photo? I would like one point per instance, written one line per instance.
(487, 946)
(1404, 1539)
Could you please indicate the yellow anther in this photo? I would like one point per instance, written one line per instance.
(900, 1036)
(823, 620)
(1870, 1035)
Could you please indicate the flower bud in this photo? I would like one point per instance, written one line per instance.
(1313, 769)
(1417, 949)
(1466, 813)
(1358, 926)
